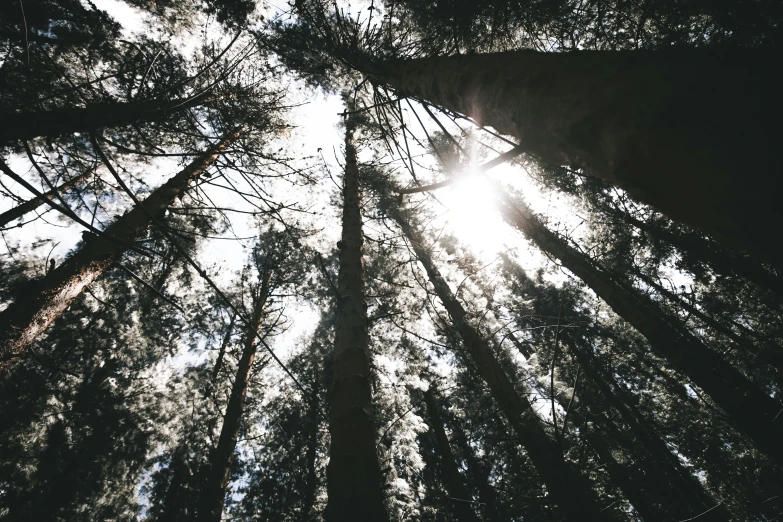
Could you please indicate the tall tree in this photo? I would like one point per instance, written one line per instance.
(753, 411)
(461, 502)
(643, 121)
(354, 477)
(570, 492)
(67, 120)
(30, 205)
(213, 492)
(43, 302)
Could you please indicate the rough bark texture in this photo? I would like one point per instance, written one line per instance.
(694, 133)
(67, 120)
(44, 300)
(213, 493)
(353, 475)
(571, 493)
(461, 500)
(753, 411)
(28, 206)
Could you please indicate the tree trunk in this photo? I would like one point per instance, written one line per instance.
(311, 452)
(213, 492)
(478, 474)
(174, 503)
(675, 493)
(45, 300)
(692, 132)
(727, 263)
(753, 411)
(67, 120)
(455, 486)
(771, 356)
(571, 493)
(28, 206)
(354, 479)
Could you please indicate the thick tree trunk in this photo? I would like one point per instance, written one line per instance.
(753, 411)
(694, 133)
(28, 206)
(461, 501)
(44, 300)
(571, 493)
(354, 478)
(213, 492)
(67, 120)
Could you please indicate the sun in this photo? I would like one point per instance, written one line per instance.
(472, 216)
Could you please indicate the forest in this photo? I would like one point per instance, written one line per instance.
(391, 260)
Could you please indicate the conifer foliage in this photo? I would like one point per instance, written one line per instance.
(528, 272)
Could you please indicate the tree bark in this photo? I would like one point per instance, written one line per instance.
(354, 479)
(68, 120)
(213, 492)
(753, 411)
(28, 206)
(571, 493)
(693, 132)
(455, 486)
(45, 300)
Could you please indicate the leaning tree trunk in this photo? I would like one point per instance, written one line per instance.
(771, 355)
(728, 262)
(692, 132)
(354, 479)
(223, 345)
(213, 492)
(752, 410)
(44, 300)
(67, 120)
(461, 500)
(28, 206)
(571, 493)
(676, 494)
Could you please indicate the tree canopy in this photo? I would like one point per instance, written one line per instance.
(402, 260)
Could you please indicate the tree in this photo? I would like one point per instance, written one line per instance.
(751, 409)
(642, 121)
(30, 205)
(45, 300)
(214, 490)
(570, 492)
(353, 477)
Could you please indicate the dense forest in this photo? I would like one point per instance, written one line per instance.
(390, 260)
